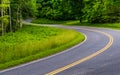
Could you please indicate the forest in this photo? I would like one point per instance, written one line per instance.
(96, 11)
(13, 12)
(21, 42)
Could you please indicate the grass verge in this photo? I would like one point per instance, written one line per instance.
(100, 25)
(77, 23)
(34, 42)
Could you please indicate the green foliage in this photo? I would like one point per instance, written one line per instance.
(93, 10)
(100, 25)
(96, 11)
(29, 9)
(4, 17)
(33, 42)
(21, 9)
(55, 9)
(100, 11)
(46, 21)
(13, 11)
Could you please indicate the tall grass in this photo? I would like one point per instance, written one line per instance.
(33, 42)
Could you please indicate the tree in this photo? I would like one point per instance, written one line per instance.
(55, 9)
(29, 9)
(93, 10)
(21, 9)
(77, 6)
(4, 6)
(101, 11)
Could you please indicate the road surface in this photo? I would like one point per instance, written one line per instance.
(99, 54)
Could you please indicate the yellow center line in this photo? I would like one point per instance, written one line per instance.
(87, 57)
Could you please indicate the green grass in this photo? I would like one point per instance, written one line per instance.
(101, 25)
(34, 42)
(77, 23)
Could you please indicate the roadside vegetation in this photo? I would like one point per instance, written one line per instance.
(96, 13)
(77, 23)
(48, 21)
(34, 42)
(22, 43)
(99, 25)
(45, 21)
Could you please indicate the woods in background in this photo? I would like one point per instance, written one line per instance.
(93, 11)
(12, 13)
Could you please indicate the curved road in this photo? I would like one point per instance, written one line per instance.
(99, 54)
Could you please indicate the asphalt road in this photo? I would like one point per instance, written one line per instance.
(106, 62)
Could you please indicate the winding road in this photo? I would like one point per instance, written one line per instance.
(99, 54)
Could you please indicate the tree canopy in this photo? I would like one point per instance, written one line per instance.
(95, 11)
(98, 11)
(12, 13)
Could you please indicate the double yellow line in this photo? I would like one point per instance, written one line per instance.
(87, 57)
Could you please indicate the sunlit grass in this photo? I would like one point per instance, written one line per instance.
(34, 42)
(101, 25)
(77, 23)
